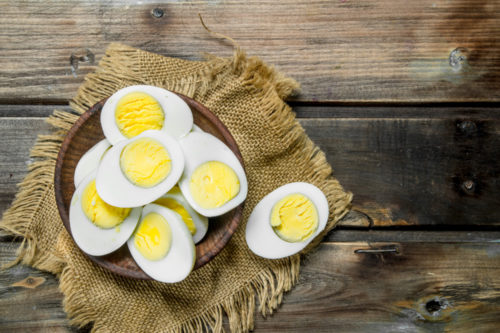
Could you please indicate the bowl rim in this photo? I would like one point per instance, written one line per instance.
(64, 214)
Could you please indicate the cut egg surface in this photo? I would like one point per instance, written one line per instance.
(286, 220)
(135, 109)
(196, 223)
(97, 227)
(138, 171)
(90, 161)
(214, 181)
(162, 245)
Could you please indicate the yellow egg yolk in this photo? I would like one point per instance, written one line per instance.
(153, 237)
(137, 112)
(145, 162)
(294, 218)
(179, 209)
(213, 184)
(100, 213)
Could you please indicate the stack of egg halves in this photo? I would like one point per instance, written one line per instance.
(153, 183)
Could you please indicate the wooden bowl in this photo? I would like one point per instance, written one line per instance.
(85, 133)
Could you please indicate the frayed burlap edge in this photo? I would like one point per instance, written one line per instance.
(120, 64)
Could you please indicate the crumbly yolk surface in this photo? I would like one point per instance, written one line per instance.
(145, 162)
(294, 218)
(100, 213)
(137, 112)
(153, 237)
(213, 183)
(179, 209)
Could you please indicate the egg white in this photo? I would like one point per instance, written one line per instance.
(197, 128)
(260, 236)
(200, 221)
(90, 238)
(199, 148)
(90, 160)
(114, 187)
(178, 116)
(180, 259)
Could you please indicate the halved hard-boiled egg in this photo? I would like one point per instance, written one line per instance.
(135, 109)
(286, 220)
(162, 245)
(90, 160)
(137, 171)
(214, 181)
(196, 223)
(97, 227)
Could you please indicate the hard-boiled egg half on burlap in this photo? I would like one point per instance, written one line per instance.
(286, 220)
(127, 185)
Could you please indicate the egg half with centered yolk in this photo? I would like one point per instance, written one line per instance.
(162, 245)
(138, 171)
(97, 227)
(90, 160)
(135, 109)
(214, 181)
(196, 223)
(286, 220)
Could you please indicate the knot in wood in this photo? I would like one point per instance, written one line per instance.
(80, 56)
(157, 13)
(435, 305)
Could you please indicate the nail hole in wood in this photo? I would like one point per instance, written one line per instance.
(468, 186)
(157, 12)
(458, 58)
(435, 305)
(467, 127)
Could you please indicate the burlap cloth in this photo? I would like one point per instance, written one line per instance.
(247, 96)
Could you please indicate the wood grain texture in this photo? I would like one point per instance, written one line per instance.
(427, 287)
(416, 171)
(30, 110)
(17, 137)
(408, 171)
(349, 51)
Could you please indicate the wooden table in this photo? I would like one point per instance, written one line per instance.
(401, 95)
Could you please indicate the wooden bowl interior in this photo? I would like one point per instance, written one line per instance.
(87, 132)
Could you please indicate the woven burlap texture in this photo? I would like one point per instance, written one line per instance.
(247, 96)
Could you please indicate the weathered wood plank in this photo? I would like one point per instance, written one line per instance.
(411, 171)
(343, 234)
(430, 50)
(415, 171)
(426, 287)
(18, 136)
(29, 309)
(479, 111)
(319, 110)
(28, 110)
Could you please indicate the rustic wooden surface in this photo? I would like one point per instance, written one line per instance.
(342, 50)
(389, 159)
(401, 96)
(426, 287)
